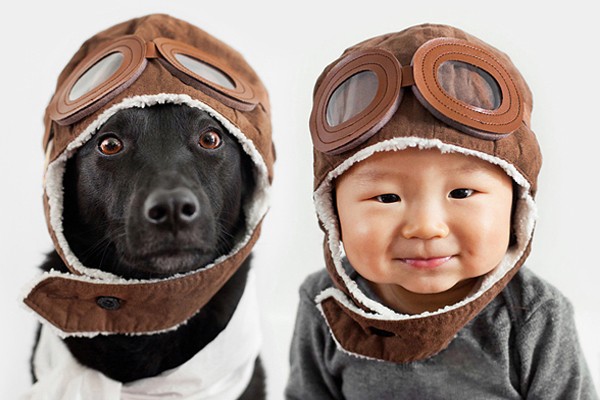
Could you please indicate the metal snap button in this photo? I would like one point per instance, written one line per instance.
(108, 303)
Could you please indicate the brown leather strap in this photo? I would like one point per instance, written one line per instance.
(408, 340)
(151, 50)
(408, 79)
(76, 306)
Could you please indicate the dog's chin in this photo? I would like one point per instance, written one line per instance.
(167, 263)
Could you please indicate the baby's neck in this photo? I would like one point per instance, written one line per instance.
(404, 301)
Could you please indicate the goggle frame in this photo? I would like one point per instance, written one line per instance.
(421, 75)
(136, 52)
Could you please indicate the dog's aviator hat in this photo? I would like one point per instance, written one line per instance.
(426, 87)
(146, 61)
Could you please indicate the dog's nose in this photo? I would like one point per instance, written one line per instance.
(173, 208)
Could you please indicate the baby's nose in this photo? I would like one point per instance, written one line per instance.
(424, 222)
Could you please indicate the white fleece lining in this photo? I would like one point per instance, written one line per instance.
(255, 208)
(337, 343)
(525, 217)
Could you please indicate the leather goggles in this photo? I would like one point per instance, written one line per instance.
(460, 83)
(106, 73)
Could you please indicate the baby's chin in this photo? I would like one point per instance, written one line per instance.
(453, 289)
(418, 297)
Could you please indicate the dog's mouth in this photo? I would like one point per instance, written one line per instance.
(167, 262)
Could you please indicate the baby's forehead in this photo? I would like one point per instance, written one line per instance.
(414, 161)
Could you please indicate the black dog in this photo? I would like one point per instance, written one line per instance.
(158, 191)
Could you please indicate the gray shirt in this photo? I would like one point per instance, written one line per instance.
(522, 345)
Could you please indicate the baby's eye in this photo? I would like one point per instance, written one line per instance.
(461, 193)
(388, 198)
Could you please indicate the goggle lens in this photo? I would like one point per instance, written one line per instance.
(96, 75)
(205, 71)
(469, 84)
(352, 97)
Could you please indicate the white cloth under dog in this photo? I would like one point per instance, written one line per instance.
(220, 371)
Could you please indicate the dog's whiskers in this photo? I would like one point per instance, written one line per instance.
(101, 247)
(224, 239)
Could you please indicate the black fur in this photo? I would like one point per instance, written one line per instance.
(111, 223)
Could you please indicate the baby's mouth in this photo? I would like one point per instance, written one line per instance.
(426, 263)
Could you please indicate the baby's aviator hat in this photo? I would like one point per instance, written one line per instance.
(429, 86)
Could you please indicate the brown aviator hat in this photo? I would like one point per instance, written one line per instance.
(145, 61)
(429, 86)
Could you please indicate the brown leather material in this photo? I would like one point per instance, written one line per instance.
(357, 129)
(504, 119)
(151, 50)
(133, 49)
(242, 92)
(458, 81)
(155, 79)
(408, 77)
(135, 52)
(406, 340)
(412, 119)
(48, 134)
(254, 124)
(74, 306)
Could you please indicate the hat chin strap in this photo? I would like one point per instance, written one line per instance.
(366, 334)
(77, 305)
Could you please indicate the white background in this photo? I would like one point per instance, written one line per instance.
(289, 43)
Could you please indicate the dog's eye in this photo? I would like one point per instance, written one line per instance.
(210, 140)
(110, 146)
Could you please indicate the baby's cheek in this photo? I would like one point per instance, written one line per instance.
(361, 240)
(358, 230)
